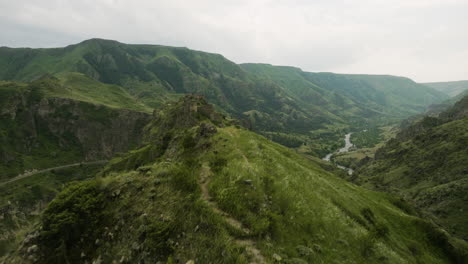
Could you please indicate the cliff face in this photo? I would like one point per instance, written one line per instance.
(39, 132)
(100, 131)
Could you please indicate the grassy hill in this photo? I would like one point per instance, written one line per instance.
(80, 87)
(202, 189)
(284, 104)
(451, 88)
(426, 163)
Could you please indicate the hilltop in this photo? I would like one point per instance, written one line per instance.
(201, 182)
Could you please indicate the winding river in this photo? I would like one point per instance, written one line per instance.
(344, 149)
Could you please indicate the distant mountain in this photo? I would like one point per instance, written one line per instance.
(427, 164)
(351, 95)
(285, 104)
(451, 88)
(458, 97)
(203, 190)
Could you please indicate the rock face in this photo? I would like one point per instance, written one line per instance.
(186, 113)
(98, 138)
(44, 127)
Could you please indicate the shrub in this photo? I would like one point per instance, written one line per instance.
(183, 178)
(189, 142)
(75, 212)
(414, 249)
(157, 235)
(457, 252)
(403, 205)
(368, 215)
(218, 164)
(380, 231)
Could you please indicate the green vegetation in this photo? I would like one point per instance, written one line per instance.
(17, 130)
(367, 142)
(426, 164)
(358, 98)
(77, 210)
(38, 130)
(352, 102)
(79, 87)
(267, 202)
(282, 103)
(197, 186)
(451, 88)
(367, 138)
(22, 201)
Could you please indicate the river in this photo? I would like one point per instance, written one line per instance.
(344, 149)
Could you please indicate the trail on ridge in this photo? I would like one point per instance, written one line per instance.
(205, 175)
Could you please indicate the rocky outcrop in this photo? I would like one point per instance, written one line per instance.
(100, 131)
(33, 125)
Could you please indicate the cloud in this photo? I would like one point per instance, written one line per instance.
(423, 39)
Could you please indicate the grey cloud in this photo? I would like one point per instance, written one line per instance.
(423, 39)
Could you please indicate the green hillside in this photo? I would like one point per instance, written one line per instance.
(51, 122)
(285, 104)
(22, 201)
(362, 97)
(457, 98)
(426, 164)
(80, 87)
(450, 88)
(202, 183)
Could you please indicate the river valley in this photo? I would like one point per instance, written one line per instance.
(344, 149)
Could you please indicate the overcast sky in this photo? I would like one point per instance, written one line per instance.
(426, 40)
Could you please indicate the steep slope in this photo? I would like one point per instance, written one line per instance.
(53, 131)
(23, 199)
(150, 72)
(427, 164)
(39, 130)
(450, 102)
(361, 97)
(450, 88)
(290, 106)
(202, 189)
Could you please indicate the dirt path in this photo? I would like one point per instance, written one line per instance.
(257, 257)
(29, 174)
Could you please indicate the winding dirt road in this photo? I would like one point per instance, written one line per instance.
(29, 174)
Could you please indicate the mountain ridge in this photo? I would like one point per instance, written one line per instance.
(153, 208)
(154, 74)
(453, 88)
